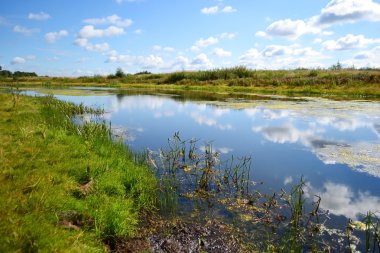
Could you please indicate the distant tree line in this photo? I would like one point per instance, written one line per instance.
(7, 73)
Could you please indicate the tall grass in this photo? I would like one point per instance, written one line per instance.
(65, 187)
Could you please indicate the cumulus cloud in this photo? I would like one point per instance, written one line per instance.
(335, 12)
(287, 28)
(206, 42)
(54, 36)
(342, 11)
(227, 35)
(228, 9)
(110, 20)
(201, 61)
(279, 56)
(210, 10)
(348, 42)
(18, 60)
(89, 31)
(25, 31)
(39, 16)
(164, 49)
(84, 43)
(215, 9)
(148, 62)
(220, 52)
(365, 59)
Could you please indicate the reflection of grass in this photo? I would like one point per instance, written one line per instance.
(63, 187)
(357, 83)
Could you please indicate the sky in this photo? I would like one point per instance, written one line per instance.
(87, 37)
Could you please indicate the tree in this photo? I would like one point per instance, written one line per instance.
(337, 66)
(119, 73)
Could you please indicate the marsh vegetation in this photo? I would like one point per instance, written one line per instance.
(70, 183)
(333, 81)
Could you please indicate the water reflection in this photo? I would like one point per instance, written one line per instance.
(340, 199)
(328, 142)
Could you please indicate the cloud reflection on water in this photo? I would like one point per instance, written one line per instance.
(340, 199)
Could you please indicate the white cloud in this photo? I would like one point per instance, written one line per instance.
(279, 56)
(364, 59)
(89, 31)
(220, 52)
(18, 60)
(227, 35)
(362, 56)
(110, 20)
(210, 10)
(148, 62)
(215, 9)
(228, 9)
(25, 31)
(39, 16)
(335, 12)
(202, 43)
(287, 28)
(342, 11)
(348, 42)
(201, 61)
(84, 43)
(165, 49)
(54, 36)
(180, 63)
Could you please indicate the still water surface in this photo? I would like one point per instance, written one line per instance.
(334, 145)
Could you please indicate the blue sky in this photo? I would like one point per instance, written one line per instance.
(86, 37)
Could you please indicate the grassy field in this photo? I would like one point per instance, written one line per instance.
(351, 82)
(65, 188)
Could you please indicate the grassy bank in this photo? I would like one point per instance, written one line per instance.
(65, 188)
(352, 82)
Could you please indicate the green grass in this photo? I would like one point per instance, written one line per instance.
(65, 188)
(342, 82)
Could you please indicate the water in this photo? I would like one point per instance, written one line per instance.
(333, 145)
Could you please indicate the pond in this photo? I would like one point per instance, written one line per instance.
(334, 145)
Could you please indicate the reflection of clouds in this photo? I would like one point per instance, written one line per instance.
(220, 111)
(362, 157)
(138, 102)
(344, 124)
(165, 114)
(250, 112)
(288, 180)
(224, 127)
(339, 199)
(268, 113)
(204, 120)
(221, 150)
(128, 134)
(276, 114)
(283, 134)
